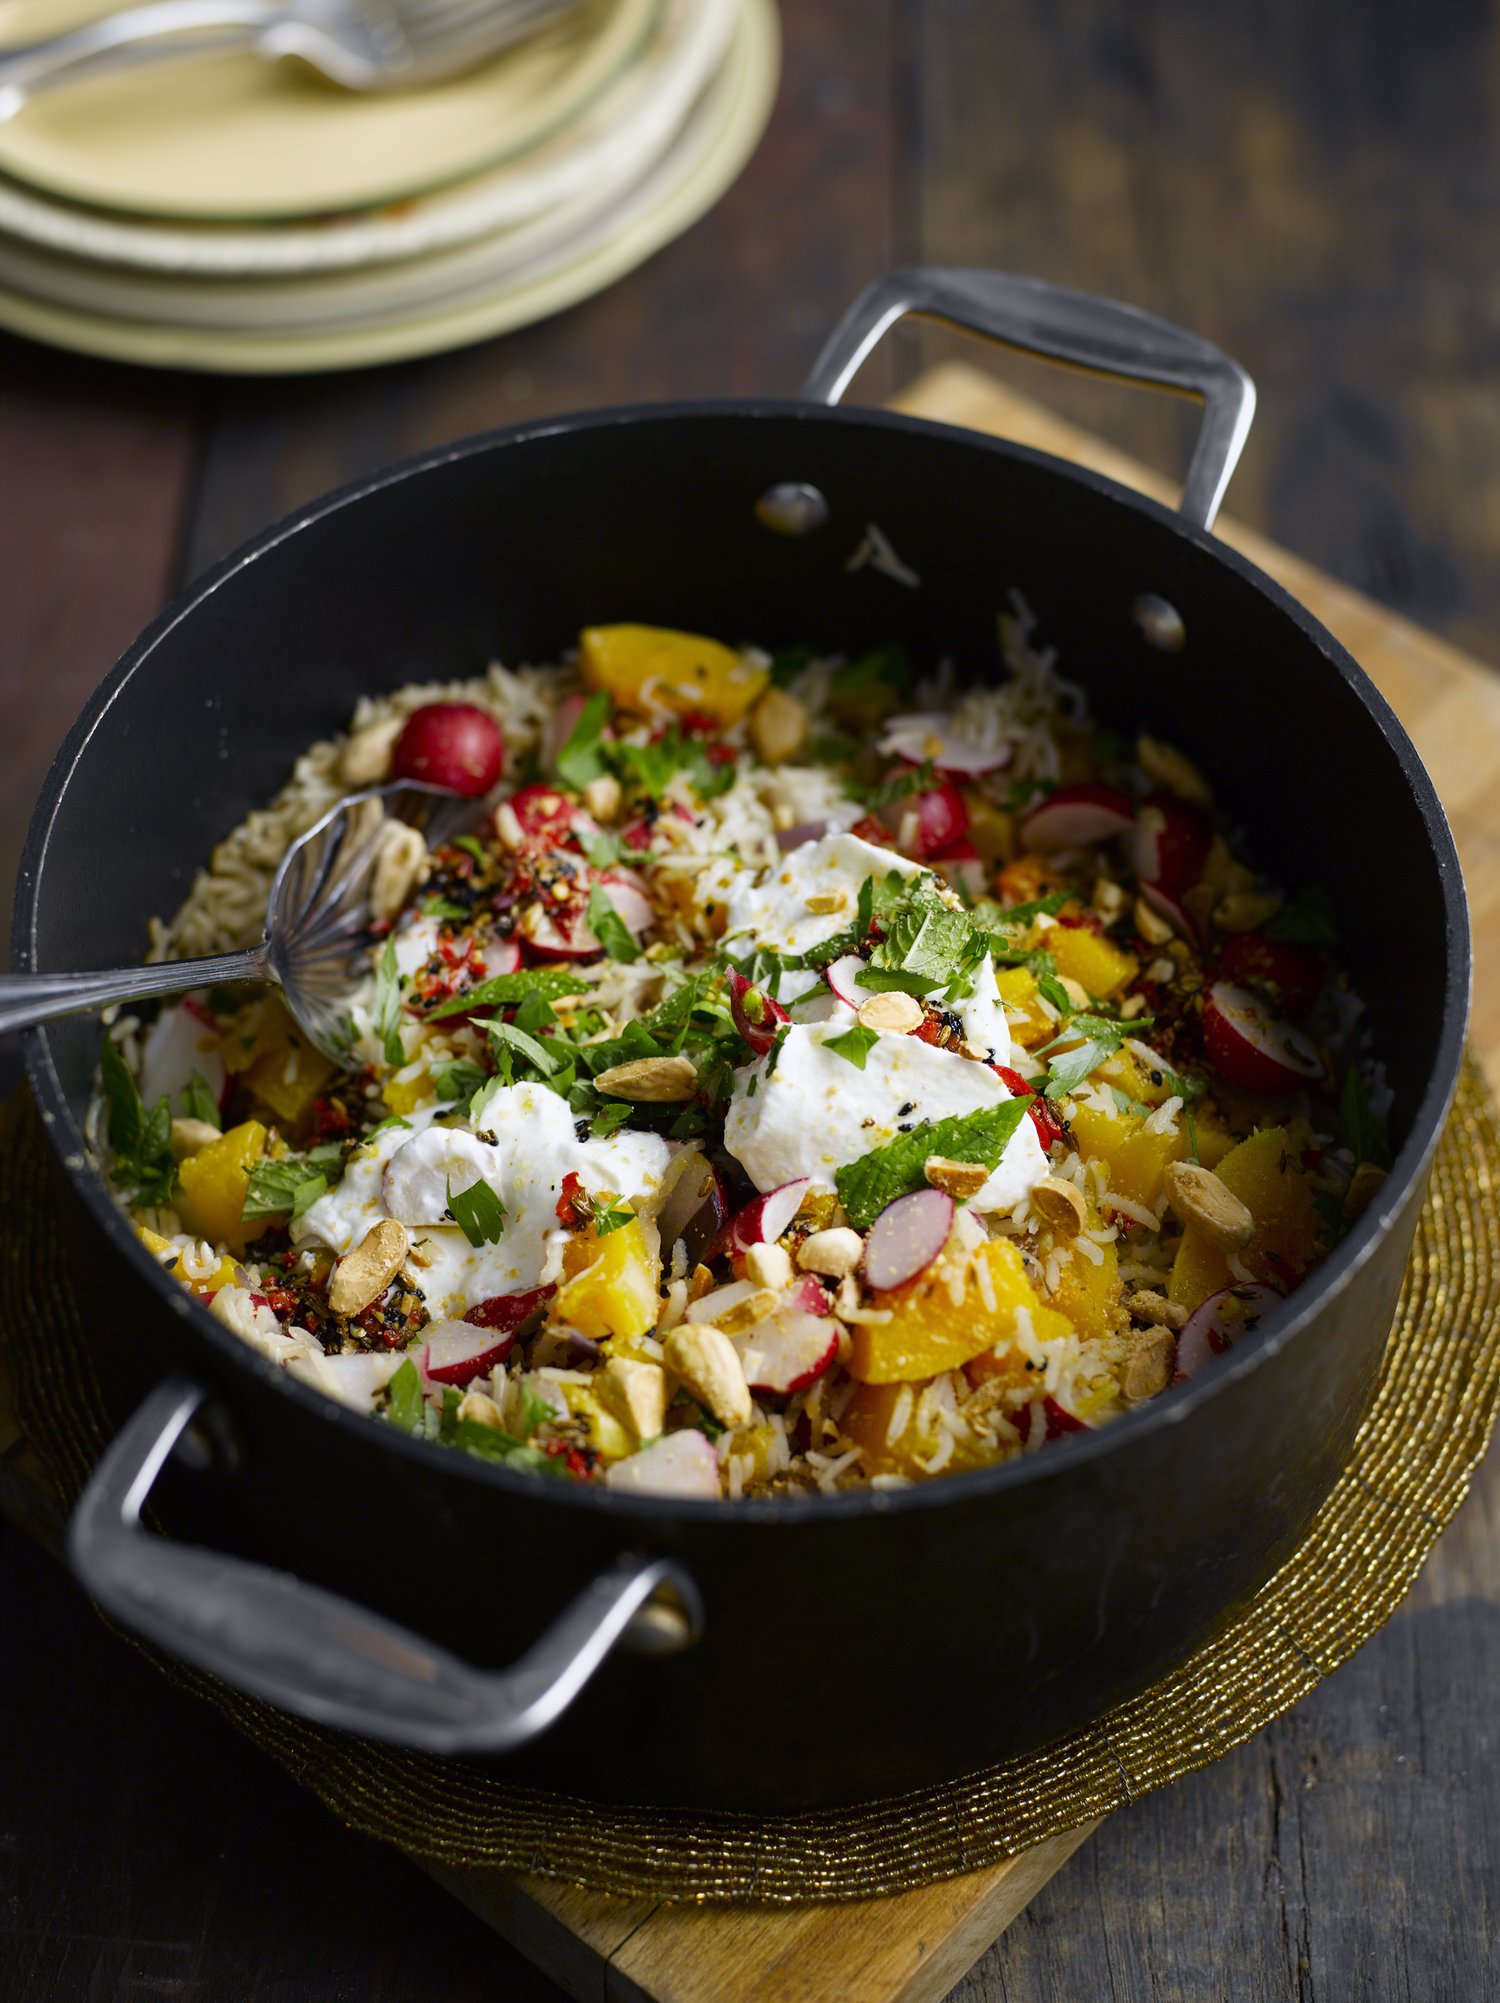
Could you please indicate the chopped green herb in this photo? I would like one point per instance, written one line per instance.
(444, 907)
(406, 1401)
(1102, 1036)
(389, 981)
(787, 663)
(477, 1211)
(142, 1140)
(471, 845)
(854, 1045)
(609, 928)
(505, 990)
(866, 1186)
(292, 1183)
(917, 780)
(200, 1104)
(459, 1079)
(1010, 916)
(604, 849)
(582, 757)
(491, 1443)
(611, 1216)
(392, 1120)
(506, 1034)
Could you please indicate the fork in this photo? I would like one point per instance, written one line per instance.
(317, 942)
(365, 45)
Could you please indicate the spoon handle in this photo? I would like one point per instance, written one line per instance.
(26, 999)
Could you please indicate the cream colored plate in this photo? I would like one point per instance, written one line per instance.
(629, 124)
(235, 138)
(619, 243)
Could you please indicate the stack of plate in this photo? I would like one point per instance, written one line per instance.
(221, 212)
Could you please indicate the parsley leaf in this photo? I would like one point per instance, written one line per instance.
(866, 1186)
(854, 1045)
(1102, 1036)
(652, 766)
(389, 981)
(477, 1211)
(505, 990)
(582, 758)
(609, 928)
(200, 1104)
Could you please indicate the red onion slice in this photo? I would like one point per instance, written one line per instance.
(1218, 1323)
(694, 1209)
(907, 1236)
(506, 1313)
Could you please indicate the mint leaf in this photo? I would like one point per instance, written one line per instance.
(477, 1211)
(854, 1045)
(459, 1079)
(866, 1186)
(443, 907)
(127, 1116)
(389, 981)
(582, 758)
(505, 990)
(506, 1035)
(200, 1104)
(406, 1401)
(142, 1140)
(292, 1183)
(609, 1120)
(611, 1216)
(610, 929)
(1010, 916)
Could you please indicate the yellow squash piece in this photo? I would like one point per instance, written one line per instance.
(221, 1276)
(1137, 1158)
(649, 669)
(213, 1183)
(1267, 1175)
(929, 1332)
(1096, 963)
(611, 1285)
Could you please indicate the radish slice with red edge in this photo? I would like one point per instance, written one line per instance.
(963, 866)
(454, 1352)
(842, 975)
(1292, 976)
(1173, 911)
(450, 744)
(763, 1220)
(788, 1351)
(757, 1015)
(1218, 1323)
(907, 1236)
(1254, 1049)
(557, 936)
(1072, 816)
(809, 1295)
(1171, 842)
(629, 899)
(1046, 1420)
(506, 1313)
(560, 727)
(925, 738)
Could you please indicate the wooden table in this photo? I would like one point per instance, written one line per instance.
(1309, 186)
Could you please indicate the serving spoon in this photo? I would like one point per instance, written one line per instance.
(316, 944)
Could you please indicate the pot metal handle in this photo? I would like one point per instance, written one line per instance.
(309, 1652)
(1077, 329)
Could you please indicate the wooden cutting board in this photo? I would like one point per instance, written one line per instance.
(914, 1948)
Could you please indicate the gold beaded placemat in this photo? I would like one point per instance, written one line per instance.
(1414, 1457)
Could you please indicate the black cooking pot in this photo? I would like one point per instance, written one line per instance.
(804, 1651)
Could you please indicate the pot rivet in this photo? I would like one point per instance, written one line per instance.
(792, 508)
(1160, 623)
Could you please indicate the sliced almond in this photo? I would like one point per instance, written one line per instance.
(188, 1136)
(833, 1253)
(1165, 766)
(368, 1270)
(401, 861)
(1149, 1366)
(778, 726)
(636, 1393)
(1060, 1205)
(823, 903)
(602, 796)
(897, 1013)
(508, 826)
(1364, 1186)
(1076, 993)
(650, 1080)
(1109, 899)
(1245, 910)
(961, 1179)
(705, 1361)
(746, 1313)
(1145, 1304)
(1205, 1201)
(1152, 927)
(481, 1408)
(366, 759)
(769, 1266)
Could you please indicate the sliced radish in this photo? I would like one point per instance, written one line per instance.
(627, 894)
(757, 1015)
(678, 1464)
(1046, 1420)
(416, 1180)
(788, 1351)
(508, 1313)
(450, 744)
(547, 818)
(907, 1236)
(454, 1352)
(764, 1218)
(1252, 1048)
(805, 831)
(693, 1209)
(963, 866)
(942, 819)
(842, 975)
(1218, 1323)
(1173, 910)
(809, 1295)
(559, 728)
(355, 1379)
(501, 956)
(558, 935)
(1293, 976)
(925, 737)
(1072, 816)
(1172, 841)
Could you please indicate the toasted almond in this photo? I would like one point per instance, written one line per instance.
(1203, 1200)
(833, 1252)
(823, 903)
(401, 861)
(1145, 1304)
(650, 1080)
(898, 1013)
(778, 726)
(1132, 1006)
(1149, 1366)
(1060, 1205)
(636, 1393)
(1076, 993)
(961, 1179)
(1167, 767)
(700, 1282)
(602, 796)
(1245, 910)
(706, 1362)
(481, 1408)
(366, 759)
(1164, 969)
(1364, 1186)
(1109, 899)
(1152, 927)
(769, 1266)
(746, 1313)
(365, 1273)
(188, 1136)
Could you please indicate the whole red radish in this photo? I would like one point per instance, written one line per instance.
(1290, 976)
(450, 744)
